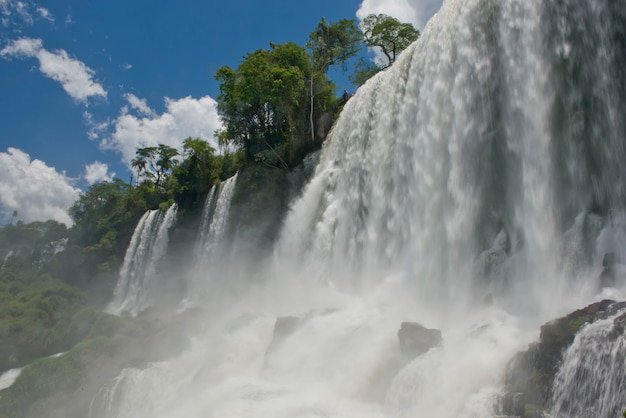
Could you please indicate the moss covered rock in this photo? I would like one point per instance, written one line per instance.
(530, 374)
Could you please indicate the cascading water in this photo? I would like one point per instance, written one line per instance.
(458, 189)
(215, 218)
(212, 229)
(591, 382)
(139, 280)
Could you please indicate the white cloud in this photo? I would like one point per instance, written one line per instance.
(417, 12)
(97, 172)
(22, 12)
(22, 48)
(183, 118)
(45, 14)
(36, 191)
(140, 105)
(96, 129)
(75, 77)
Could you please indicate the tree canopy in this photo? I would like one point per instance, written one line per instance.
(264, 102)
(155, 162)
(334, 43)
(388, 34)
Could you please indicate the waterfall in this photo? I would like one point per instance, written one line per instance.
(215, 218)
(209, 248)
(9, 377)
(139, 277)
(474, 187)
(465, 148)
(591, 381)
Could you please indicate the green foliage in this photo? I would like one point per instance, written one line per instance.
(388, 34)
(193, 177)
(363, 71)
(154, 163)
(35, 310)
(265, 102)
(104, 218)
(334, 43)
(258, 205)
(258, 101)
(66, 385)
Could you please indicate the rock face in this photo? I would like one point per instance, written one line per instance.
(530, 374)
(416, 339)
(283, 327)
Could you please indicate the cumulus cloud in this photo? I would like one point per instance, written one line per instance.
(75, 77)
(183, 118)
(417, 12)
(33, 189)
(97, 172)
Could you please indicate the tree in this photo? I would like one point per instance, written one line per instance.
(264, 101)
(333, 44)
(388, 34)
(330, 44)
(154, 163)
(197, 173)
(104, 218)
(363, 71)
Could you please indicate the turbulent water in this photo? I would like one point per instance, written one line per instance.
(208, 252)
(139, 277)
(592, 379)
(473, 187)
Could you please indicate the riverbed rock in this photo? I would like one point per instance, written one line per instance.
(283, 328)
(415, 339)
(530, 373)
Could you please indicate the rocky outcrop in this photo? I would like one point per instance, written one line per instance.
(530, 374)
(416, 339)
(283, 328)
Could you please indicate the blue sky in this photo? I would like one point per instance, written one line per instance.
(85, 83)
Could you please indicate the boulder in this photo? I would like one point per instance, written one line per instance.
(530, 374)
(416, 339)
(283, 327)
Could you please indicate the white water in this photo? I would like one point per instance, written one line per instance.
(208, 257)
(591, 382)
(456, 190)
(215, 218)
(139, 278)
(9, 377)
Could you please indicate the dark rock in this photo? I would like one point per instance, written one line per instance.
(323, 125)
(283, 327)
(416, 339)
(608, 276)
(530, 374)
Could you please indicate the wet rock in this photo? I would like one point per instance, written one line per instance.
(608, 276)
(283, 327)
(530, 374)
(416, 339)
